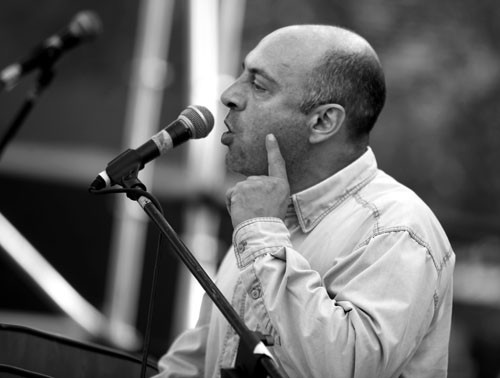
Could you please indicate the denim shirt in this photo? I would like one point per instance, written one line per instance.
(355, 282)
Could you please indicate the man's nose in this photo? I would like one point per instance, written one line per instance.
(232, 97)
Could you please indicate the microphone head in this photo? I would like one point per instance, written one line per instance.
(200, 120)
(85, 25)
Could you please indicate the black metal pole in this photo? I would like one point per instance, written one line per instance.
(45, 78)
(249, 338)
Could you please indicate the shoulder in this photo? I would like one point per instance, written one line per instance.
(400, 210)
(395, 202)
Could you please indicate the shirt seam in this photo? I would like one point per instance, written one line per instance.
(268, 326)
(415, 237)
(371, 207)
(230, 331)
(419, 240)
(245, 259)
(254, 220)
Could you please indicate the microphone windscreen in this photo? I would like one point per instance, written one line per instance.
(85, 25)
(201, 120)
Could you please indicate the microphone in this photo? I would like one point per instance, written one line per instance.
(84, 26)
(194, 122)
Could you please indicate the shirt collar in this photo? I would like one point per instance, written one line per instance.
(314, 203)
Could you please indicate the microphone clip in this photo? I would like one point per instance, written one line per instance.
(124, 167)
(133, 182)
(123, 170)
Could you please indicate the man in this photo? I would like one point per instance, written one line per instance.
(347, 270)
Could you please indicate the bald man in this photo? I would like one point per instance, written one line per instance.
(347, 270)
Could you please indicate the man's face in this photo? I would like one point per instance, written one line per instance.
(265, 99)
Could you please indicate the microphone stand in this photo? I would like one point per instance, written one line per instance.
(43, 81)
(254, 358)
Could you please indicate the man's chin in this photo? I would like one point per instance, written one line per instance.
(235, 169)
(245, 167)
(245, 171)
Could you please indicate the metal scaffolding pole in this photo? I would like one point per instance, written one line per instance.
(214, 47)
(142, 120)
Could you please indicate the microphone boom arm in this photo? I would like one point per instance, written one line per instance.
(250, 339)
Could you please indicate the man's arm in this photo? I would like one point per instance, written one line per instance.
(370, 326)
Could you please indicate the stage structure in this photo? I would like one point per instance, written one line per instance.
(215, 31)
(215, 28)
(128, 238)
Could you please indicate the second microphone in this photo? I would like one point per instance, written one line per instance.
(193, 123)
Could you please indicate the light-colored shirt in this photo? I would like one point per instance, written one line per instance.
(355, 282)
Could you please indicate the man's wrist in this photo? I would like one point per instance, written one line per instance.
(258, 236)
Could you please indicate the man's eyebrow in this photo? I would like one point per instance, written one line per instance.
(259, 71)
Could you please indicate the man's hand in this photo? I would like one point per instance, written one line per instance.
(261, 196)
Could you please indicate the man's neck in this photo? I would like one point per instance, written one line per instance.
(317, 170)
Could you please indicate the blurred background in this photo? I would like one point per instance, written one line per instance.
(438, 134)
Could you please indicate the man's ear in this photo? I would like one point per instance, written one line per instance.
(325, 121)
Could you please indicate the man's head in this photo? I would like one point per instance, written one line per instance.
(318, 89)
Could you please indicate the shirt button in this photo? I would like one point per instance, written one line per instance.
(255, 293)
(241, 246)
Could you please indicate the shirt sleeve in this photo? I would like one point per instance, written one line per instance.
(364, 318)
(186, 356)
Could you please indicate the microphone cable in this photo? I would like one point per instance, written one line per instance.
(136, 193)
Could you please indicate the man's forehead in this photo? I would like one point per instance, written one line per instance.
(279, 54)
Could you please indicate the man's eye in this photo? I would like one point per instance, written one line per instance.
(257, 86)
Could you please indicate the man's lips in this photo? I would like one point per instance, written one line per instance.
(227, 138)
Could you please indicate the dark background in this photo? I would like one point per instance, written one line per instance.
(438, 134)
